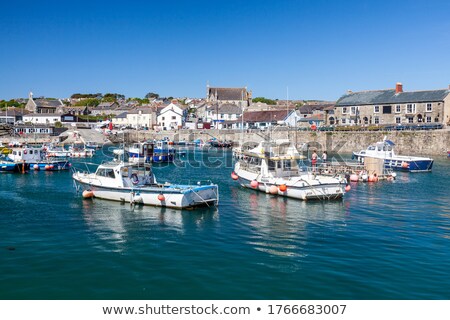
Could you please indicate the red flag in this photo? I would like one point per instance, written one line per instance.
(110, 126)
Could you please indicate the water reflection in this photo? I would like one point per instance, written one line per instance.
(116, 224)
(281, 226)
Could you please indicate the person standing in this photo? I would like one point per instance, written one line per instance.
(314, 159)
(324, 156)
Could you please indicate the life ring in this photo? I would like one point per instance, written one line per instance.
(313, 127)
(134, 178)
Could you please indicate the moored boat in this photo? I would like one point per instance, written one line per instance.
(120, 181)
(272, 167)
(385, 150)
(32, 158)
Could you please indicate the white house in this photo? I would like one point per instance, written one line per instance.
(42, 118)
(141, 118)
(120, 120)
(171, 117)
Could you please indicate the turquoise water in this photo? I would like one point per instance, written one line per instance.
(382, 241)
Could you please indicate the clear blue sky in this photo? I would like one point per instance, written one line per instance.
(317, 49)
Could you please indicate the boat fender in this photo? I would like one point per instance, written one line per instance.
(282, 187)
(234, 176)
(134, 178)
(254, 184)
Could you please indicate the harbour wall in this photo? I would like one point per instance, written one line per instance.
(432, 142)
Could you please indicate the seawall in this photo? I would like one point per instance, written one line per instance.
(432, 142)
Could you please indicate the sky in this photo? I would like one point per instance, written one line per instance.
(278, 49)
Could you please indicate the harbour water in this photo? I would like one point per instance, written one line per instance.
(389, 240)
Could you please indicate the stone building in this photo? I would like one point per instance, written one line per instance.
(42, 105)
(237, 96)
(392, 106)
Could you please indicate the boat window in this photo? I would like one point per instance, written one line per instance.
(379, 148)
(31, 151)
(271, 165)
(371, 148)
(279, 164)
(108, 173)
(287, 164)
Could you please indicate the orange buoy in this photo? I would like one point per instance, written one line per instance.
(36, 167)
(51, 166)
(254, 184)
(348, 188)
(234, 176)
(87, 194)
(282, 187)
(161, 197)
(313, 127)
(371, 178)
(273, 190)
(405, 165)
(354, 178)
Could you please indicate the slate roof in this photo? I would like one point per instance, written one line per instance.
(228, 93)
(106, 106)
(229, 108)
(143, 111)
(264, 116)
(45, 103)
(390, 97)
(122, 115)
(309, 108)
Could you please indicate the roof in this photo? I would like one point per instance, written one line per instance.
(389, 96)
(229, 108)
(309, 108)
(228, 93)
(122, 115)
(48, 103)
(264, 116)
(142, 111)
(42, 115)
(106, 105)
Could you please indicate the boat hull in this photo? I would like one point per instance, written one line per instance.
(172, 198)
(8, 167)
(323, 188)
(404, 164)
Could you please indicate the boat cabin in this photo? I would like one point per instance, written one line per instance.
(123, 176)
(27, 154)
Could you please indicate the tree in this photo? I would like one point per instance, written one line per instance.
(88, 102)
(264, 100)
(152, 95)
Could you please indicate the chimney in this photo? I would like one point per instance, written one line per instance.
(398, 87)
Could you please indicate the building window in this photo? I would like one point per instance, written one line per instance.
(353, 110)
(436, 119)
(410, 119)
(376, 109)
(376, 120)
(343, 121)
(411, 108)
(398, 108)
(429, 107)
(387, 109)
(163, 118)
(173, 117)
(398, 120)
(344, 110)
(428, 119)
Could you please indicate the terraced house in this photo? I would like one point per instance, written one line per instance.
(392, 106)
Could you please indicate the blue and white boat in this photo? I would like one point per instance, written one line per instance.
(163, 151)
(7, 166)
(35, 159)
(385, 150)
(140, 152)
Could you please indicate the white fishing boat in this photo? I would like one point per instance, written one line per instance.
(54, 151)
(80, 151)
(272, 167)
(121, 181)
(385, 150)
